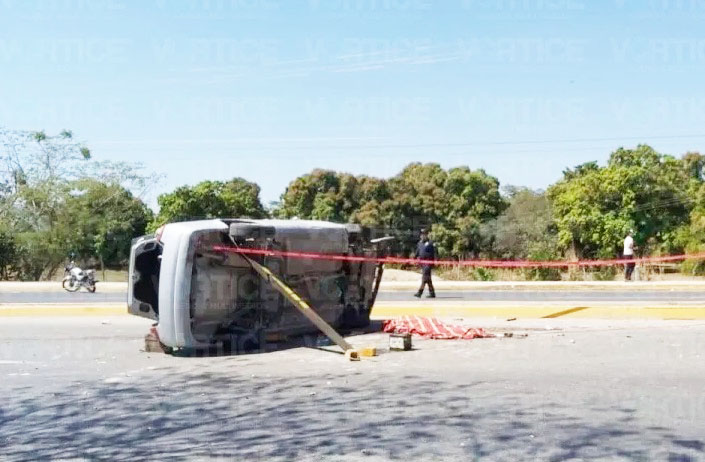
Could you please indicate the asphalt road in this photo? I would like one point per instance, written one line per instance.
(469, 295)
(80, 389)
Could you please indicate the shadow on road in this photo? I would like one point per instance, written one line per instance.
(251, 343)
(346, 417)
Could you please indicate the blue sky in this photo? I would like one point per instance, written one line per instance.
(270, 89)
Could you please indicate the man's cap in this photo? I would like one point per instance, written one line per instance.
(423, 231)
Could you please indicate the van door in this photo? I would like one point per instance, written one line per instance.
(143, 277)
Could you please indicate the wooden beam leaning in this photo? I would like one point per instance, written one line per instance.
(304, 308)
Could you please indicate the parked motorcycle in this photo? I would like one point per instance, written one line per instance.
(75, 278)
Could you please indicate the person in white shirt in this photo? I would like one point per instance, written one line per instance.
(628, 254)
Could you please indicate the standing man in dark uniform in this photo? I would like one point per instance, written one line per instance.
(426, 251)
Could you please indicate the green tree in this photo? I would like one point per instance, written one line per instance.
(473, 199)
(36, 169)
(88, 218)
(35, 157)
(638, 189)
(524, 228)
(210, 199)
(37, 175)
(324, 195)
(691, 236)
(100, 220)
(39, 254)
(453, 203)
(374, 202)
(8, 253)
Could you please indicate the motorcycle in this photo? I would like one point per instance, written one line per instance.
(75, 278)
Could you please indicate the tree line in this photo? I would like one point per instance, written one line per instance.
(56, 200)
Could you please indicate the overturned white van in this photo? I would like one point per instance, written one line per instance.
(201, 296)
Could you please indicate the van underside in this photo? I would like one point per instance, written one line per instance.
(228, 299)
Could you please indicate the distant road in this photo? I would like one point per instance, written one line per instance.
(553, 295)
(63, 297)
(443, 296)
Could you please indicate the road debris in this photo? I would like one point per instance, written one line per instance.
(152, 343)
(400, 342)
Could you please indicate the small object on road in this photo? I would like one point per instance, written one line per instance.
(152, 343)
(367, 352)
(400, 342)
(508, 334)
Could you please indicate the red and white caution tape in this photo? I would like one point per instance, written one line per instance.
(470, 263)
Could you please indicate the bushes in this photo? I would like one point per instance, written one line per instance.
(693, 267)
(8, 253)
(467, 273)
(38, 255)
(483, 274)
(542, 252)
(605, 273)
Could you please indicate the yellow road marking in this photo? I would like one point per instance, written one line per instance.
(49, 311)
(391, 311)
(565, 312)
(536, 312)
